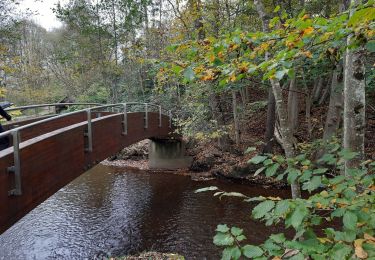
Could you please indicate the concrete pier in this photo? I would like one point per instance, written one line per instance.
(168, 154)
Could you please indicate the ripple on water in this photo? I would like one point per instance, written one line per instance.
(109, 212)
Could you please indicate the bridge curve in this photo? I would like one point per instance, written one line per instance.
(48, 153)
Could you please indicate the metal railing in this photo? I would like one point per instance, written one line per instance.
(49, 105)
(120, 107)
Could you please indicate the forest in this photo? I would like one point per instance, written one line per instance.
(286, 86)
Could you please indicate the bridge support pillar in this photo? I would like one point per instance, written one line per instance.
(168, 154)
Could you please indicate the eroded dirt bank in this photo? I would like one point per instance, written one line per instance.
(208, 163)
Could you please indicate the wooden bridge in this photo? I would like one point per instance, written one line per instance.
(48, 152)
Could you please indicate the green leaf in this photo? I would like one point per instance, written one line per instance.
(278, 238)
(320, 170)
(296, 218)
(339, 212)
(340, 251)
(271, 247)
(211, 188)
(250, 149)
(292, 174)
(370, 46)
(370, 249)
(298, 256)
(282, 207)
(313, 184)
(347, 155)
(291, 73)
(236, 231)
(259, 171)
(362, 16)
(222, 228)
(347, 236)
(272, 170)
(257, 159)
(263, 208)
(280, 73)
(251, 251)
(328, 158)
(177, 69)
(350, 220)
(240, 238)
(189, 74)
(268, 162)
(277, 8)
(229, 253)
(223, 239)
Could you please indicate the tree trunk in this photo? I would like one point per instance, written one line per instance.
(335, 106)
(354, 102)
(318, 90)
(270, 123)
(308, 113)
(287, 136)
(235, 118)
(217, 113)
(293, 105)
(324, 94)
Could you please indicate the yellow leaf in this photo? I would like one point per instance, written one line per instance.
(324, 240)
(308, 30)
(289, 44)
(264, 46)
(359, 252)
(232, 77)
(276, 258)
(274, 198)
(306, 16)
(369, 237)
(232, 47)
(211, 58)
(210, 75)
(243, 67)
(198, 69)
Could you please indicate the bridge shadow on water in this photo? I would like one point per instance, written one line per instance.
(49, 153)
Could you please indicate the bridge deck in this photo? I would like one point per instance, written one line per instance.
(54, 153)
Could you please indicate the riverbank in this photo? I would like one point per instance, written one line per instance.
(208, 163)
(151, 256)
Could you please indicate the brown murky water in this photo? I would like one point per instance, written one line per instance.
(110, 212)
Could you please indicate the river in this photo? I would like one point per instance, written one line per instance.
(110, 211)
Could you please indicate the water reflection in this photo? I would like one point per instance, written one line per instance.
(108, 212)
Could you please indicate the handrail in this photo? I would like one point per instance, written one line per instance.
(15, 132)
(9, 109)
(9, 132)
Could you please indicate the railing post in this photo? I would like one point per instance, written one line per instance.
(17, 164)
(146, 115)
(89, 131)
(125, 120)
(170, 119)
(159, 116)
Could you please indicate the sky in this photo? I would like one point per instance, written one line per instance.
(45, 17)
